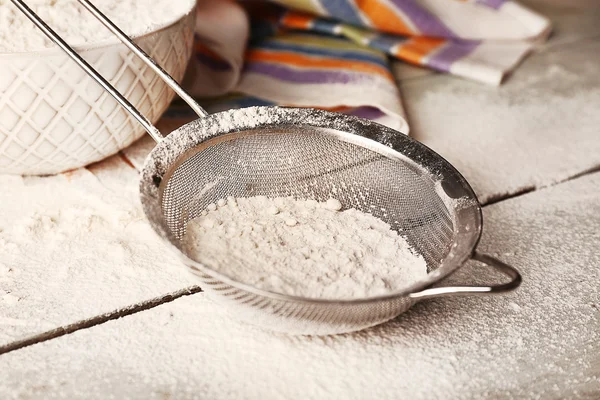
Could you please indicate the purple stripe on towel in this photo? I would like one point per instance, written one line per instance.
(427, 23)
(216, 65)
(366, 112)
(443, 59)
(301, 75)
(495, 4)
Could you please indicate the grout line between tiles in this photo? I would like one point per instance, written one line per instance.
(588, 171)
(98, 320)
(529, 189)
(506, 196)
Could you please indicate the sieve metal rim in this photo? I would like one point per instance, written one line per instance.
(168, 154)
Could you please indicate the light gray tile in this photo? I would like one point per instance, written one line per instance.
(404, 71)
(572, 20)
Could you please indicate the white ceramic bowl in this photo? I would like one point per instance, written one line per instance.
(53, 117)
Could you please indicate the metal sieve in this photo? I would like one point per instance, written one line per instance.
(307, 153)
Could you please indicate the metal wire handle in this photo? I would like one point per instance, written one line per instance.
(463, 290)
(168, 79)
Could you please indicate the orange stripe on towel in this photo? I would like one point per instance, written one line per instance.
(295, 20)
(416, 49)
(314, 62)
(383, 17)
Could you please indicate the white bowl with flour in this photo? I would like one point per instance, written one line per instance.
(53, 117)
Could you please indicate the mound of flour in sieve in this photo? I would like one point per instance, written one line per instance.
(77, 25)
(302, 247)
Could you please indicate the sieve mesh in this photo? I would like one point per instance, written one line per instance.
(315, 166)
(310, 154)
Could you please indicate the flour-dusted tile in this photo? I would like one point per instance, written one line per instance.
(76, 245)
(404, 71)
(572, 20)
(537, 342)
(553, 319)
(540, 127)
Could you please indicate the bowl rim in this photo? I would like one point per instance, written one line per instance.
(108, 42)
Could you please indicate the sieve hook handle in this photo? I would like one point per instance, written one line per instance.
(135, 113)
(466, 290)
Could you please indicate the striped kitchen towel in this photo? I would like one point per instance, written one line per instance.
(335, 54)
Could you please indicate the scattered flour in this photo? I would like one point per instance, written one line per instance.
(513, 120)
(76, 245)
(77, 26)
(303, 247)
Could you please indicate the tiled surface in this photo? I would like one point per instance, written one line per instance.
(539, 128)
(538, 342)
(573, 20)
(34, 298)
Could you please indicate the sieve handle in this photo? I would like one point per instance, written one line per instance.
(466, 290)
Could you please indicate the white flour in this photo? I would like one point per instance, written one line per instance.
(77, 26)
(70, 236)
(302, 247)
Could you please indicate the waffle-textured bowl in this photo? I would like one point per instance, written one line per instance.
(53, 117)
